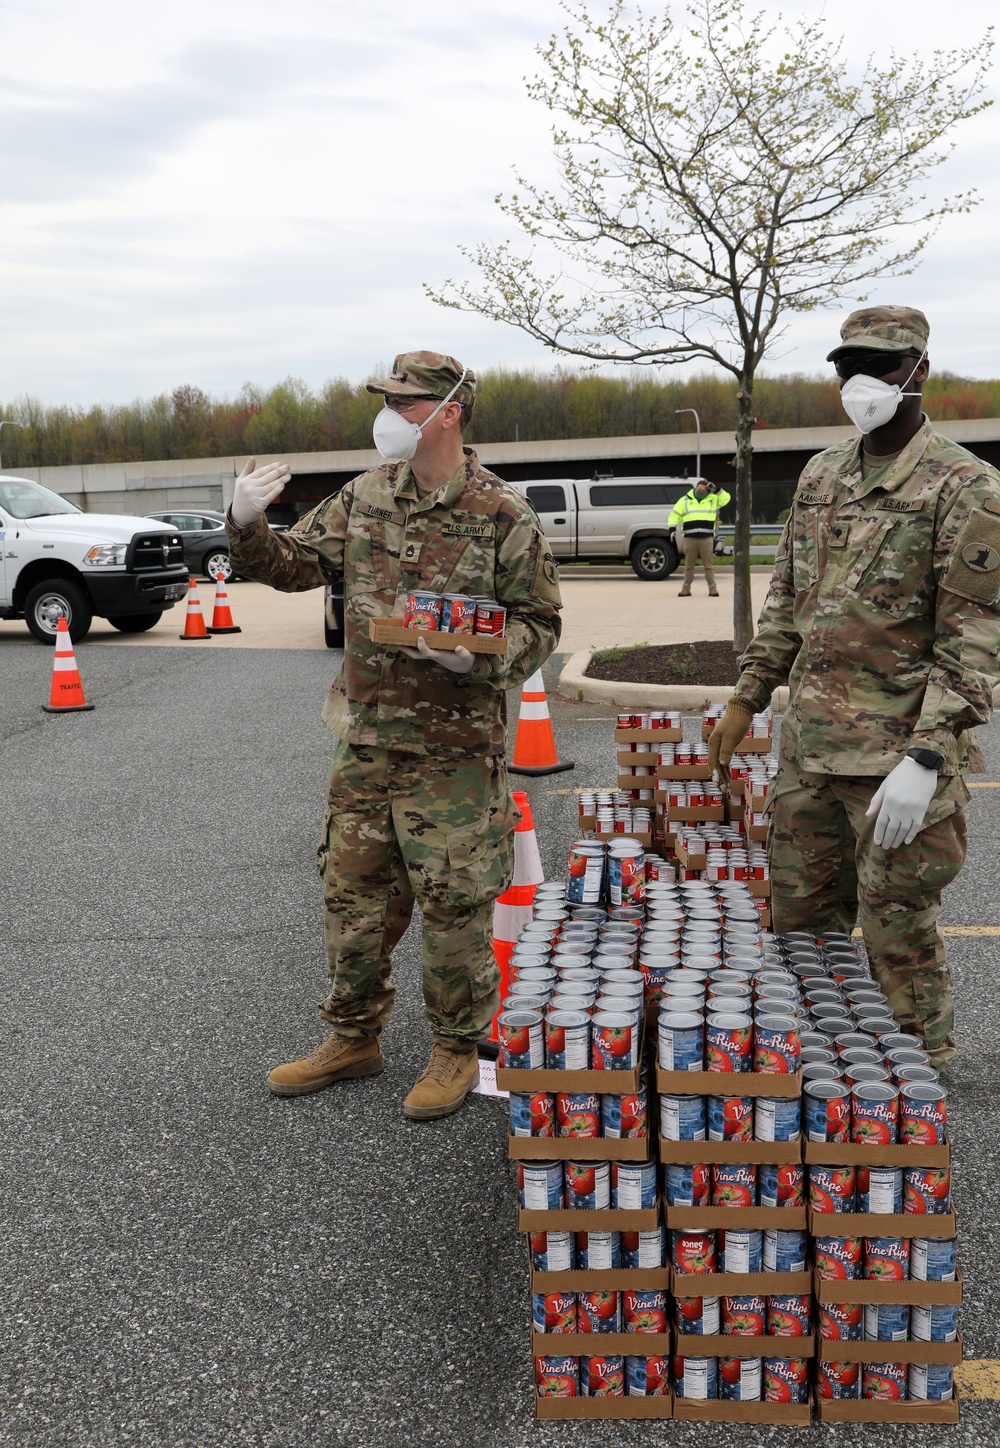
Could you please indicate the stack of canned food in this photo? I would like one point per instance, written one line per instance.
(613, 813)
(692, 794)
(760, 725)
(586, 1186)
(650, 719)
(454, 613)
(685, 754)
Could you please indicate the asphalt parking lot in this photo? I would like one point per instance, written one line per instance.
(189, 1261)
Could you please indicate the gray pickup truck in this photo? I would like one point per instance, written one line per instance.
(609, 518)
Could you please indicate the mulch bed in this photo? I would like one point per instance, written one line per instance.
(707, 661)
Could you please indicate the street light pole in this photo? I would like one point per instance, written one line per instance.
(7, 422)
(697, 424)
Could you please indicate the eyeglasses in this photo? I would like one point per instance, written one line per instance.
(870, 364)
(405, 404)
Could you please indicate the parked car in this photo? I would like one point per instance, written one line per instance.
(58, 562)
(206, 547)
(609, 518)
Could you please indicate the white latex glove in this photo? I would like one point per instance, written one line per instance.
(256, 489)
(901, 803)
(456, 661)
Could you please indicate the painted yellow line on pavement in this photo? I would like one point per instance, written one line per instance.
(984, 784)
(957, 930)
(979, 1379)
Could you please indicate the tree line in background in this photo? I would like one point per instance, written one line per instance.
(511, 405)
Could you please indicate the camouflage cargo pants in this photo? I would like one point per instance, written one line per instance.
(404, 828)
(695, 548)
(826, 871)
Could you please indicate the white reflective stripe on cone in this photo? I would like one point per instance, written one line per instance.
(508, 921)
(64, 663)
(534, 711)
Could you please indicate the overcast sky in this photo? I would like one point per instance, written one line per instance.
(213, 193)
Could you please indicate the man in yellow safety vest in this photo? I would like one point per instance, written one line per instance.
(697, 514)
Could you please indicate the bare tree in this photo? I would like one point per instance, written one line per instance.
(714, 178)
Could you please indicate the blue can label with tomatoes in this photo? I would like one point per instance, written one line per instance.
(887, 1321)
(633, 1185)
(614, 1042)
(832, 1188)
(698, 1316)
(933, 1259)
(553, 1312)
(789, 1315)
(625, 1117)
(838, 1380)
(880, 1189)
(681, 1041)
(687, 1184)
(784, 1251)
(777, 1118)
(838, 1259)
(931, 1382)
(578, 1113)
(777, 1049)
(602, 1377)
(643, 1249)
(938, 1323)
(730, 1118)
(886, 1259)
(540, 1185)
(683, 1118)
(734, 1184)
(422, 610)
(927, 1191)
(599, 1311)
(741, 1251)
(841, 1321)
(740, 1379)
(588, 1185)
(696, 1377)
(647, 1377)
(781, 1185)
(729, 1042)
(458, 613)
(598, 1251)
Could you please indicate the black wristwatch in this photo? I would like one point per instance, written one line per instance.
(928, 758)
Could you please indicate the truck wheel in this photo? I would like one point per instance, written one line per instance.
(215, 563)
(653, 558)
(53, 599)
(135, 622)
(334, 636)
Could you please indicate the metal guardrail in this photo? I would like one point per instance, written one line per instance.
(728, 529)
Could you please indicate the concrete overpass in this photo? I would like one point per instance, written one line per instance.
(779, 456)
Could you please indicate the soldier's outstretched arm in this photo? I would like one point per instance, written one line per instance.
(768, 659)
(959, 692)
(310, 555)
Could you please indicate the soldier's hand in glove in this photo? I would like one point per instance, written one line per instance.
(256, 489)
(456, 661)
(728, 732)
(901, 802)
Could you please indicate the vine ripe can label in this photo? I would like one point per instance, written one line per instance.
(522, 1046)
(743, 1316)
(644, 1310)
(841, 1321)
(838, 1380)
(625, 1117)
(698, 1316)
(827, 1108)
(647, 1377)
(789, 1315)
(557, 1377)
(458, 613)
(886, 1259)
(923, 1114)
(730, 1118)
(602, 1377)
(614, 1042)
(599, 1311)
(532, 1113)
(785, 1380)
(578, 1114)
(880, 1189)
(734, 1184)
(927, 1192)
(885, 1381)
(588, 1185)
(422, 610)
(553, 1311)
(693, 1252)
(838, 1259)
(781, 1186)
(832, 1188)
(740, 1379)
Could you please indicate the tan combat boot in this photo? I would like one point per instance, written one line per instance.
(451, 1074)
(339, 1058)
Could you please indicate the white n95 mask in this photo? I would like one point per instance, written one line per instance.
(870, 403)
(396, 437)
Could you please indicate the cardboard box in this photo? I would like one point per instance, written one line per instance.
(574, 1148)
(614, 1279)
(760, 888)
(608, 1219)
(741, 1284)
(601, 1083)
(641, 756)
(648, 736)
(828, 1153)
(681, 771)
(783, 1152)
(595, 1344)
(717, 1410)
(756, 834)
(688, 860)
(724, 1083)
(873, 1410)
(737, 1219)
(888, 1224)
(756, 803)
(392, 631)
(604, 1408)
(835, 1350)
(688, 1345)
(638, 781)
(935, 1294)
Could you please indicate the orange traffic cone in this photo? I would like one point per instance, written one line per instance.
(194, 623)
(512, 911)
(67, 691)
(535, 745)
(222, 618)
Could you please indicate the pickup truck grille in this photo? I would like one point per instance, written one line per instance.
(155, 550)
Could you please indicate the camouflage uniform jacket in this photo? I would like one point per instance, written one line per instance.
(882, 613)
(474, 535)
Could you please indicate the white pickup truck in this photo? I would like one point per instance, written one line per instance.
(609, 518)
(58, 561)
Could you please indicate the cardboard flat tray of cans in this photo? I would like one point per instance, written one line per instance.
(394, 631)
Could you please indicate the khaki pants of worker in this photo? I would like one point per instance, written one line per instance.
(695, 548)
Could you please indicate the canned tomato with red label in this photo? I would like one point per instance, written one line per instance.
(730, 1118)
(838, 1380)
(786, 1380)
(923, 1114)
(553, 1311)
(552, 1251)
(625, 1117)
(927, 1192)
(777, 1045)
(781, 1185)
(729, 1042)
(644, 1310)
(557, 1377)
(599, 1311)
(614, 1042)
(422, 610)
(602, 1377)
(693, 1252)
(838, 1259)
(743, 1316)
(647, 1377)
(588, 1185)
(886, 1259)
(734, 1184)
(698, 1316)
(880, 1189)
(832, 1188)
(696, 1377)
(885, 1381)
(491, 617)
(532, 1113)
(458, 613)
(578, 1113)
(841, 1321)
(740, 1379)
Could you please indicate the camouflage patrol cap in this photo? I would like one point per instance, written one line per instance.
(426, 374)
(883, 329)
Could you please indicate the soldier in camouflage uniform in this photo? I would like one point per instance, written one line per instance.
(419, 809)
(882, 617)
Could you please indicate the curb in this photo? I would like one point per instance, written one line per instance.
(689, 698)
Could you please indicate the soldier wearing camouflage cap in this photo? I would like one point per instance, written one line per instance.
(418, 807)
(883, 617)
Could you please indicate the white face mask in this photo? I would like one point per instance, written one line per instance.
(396, 437)
(870, 403)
